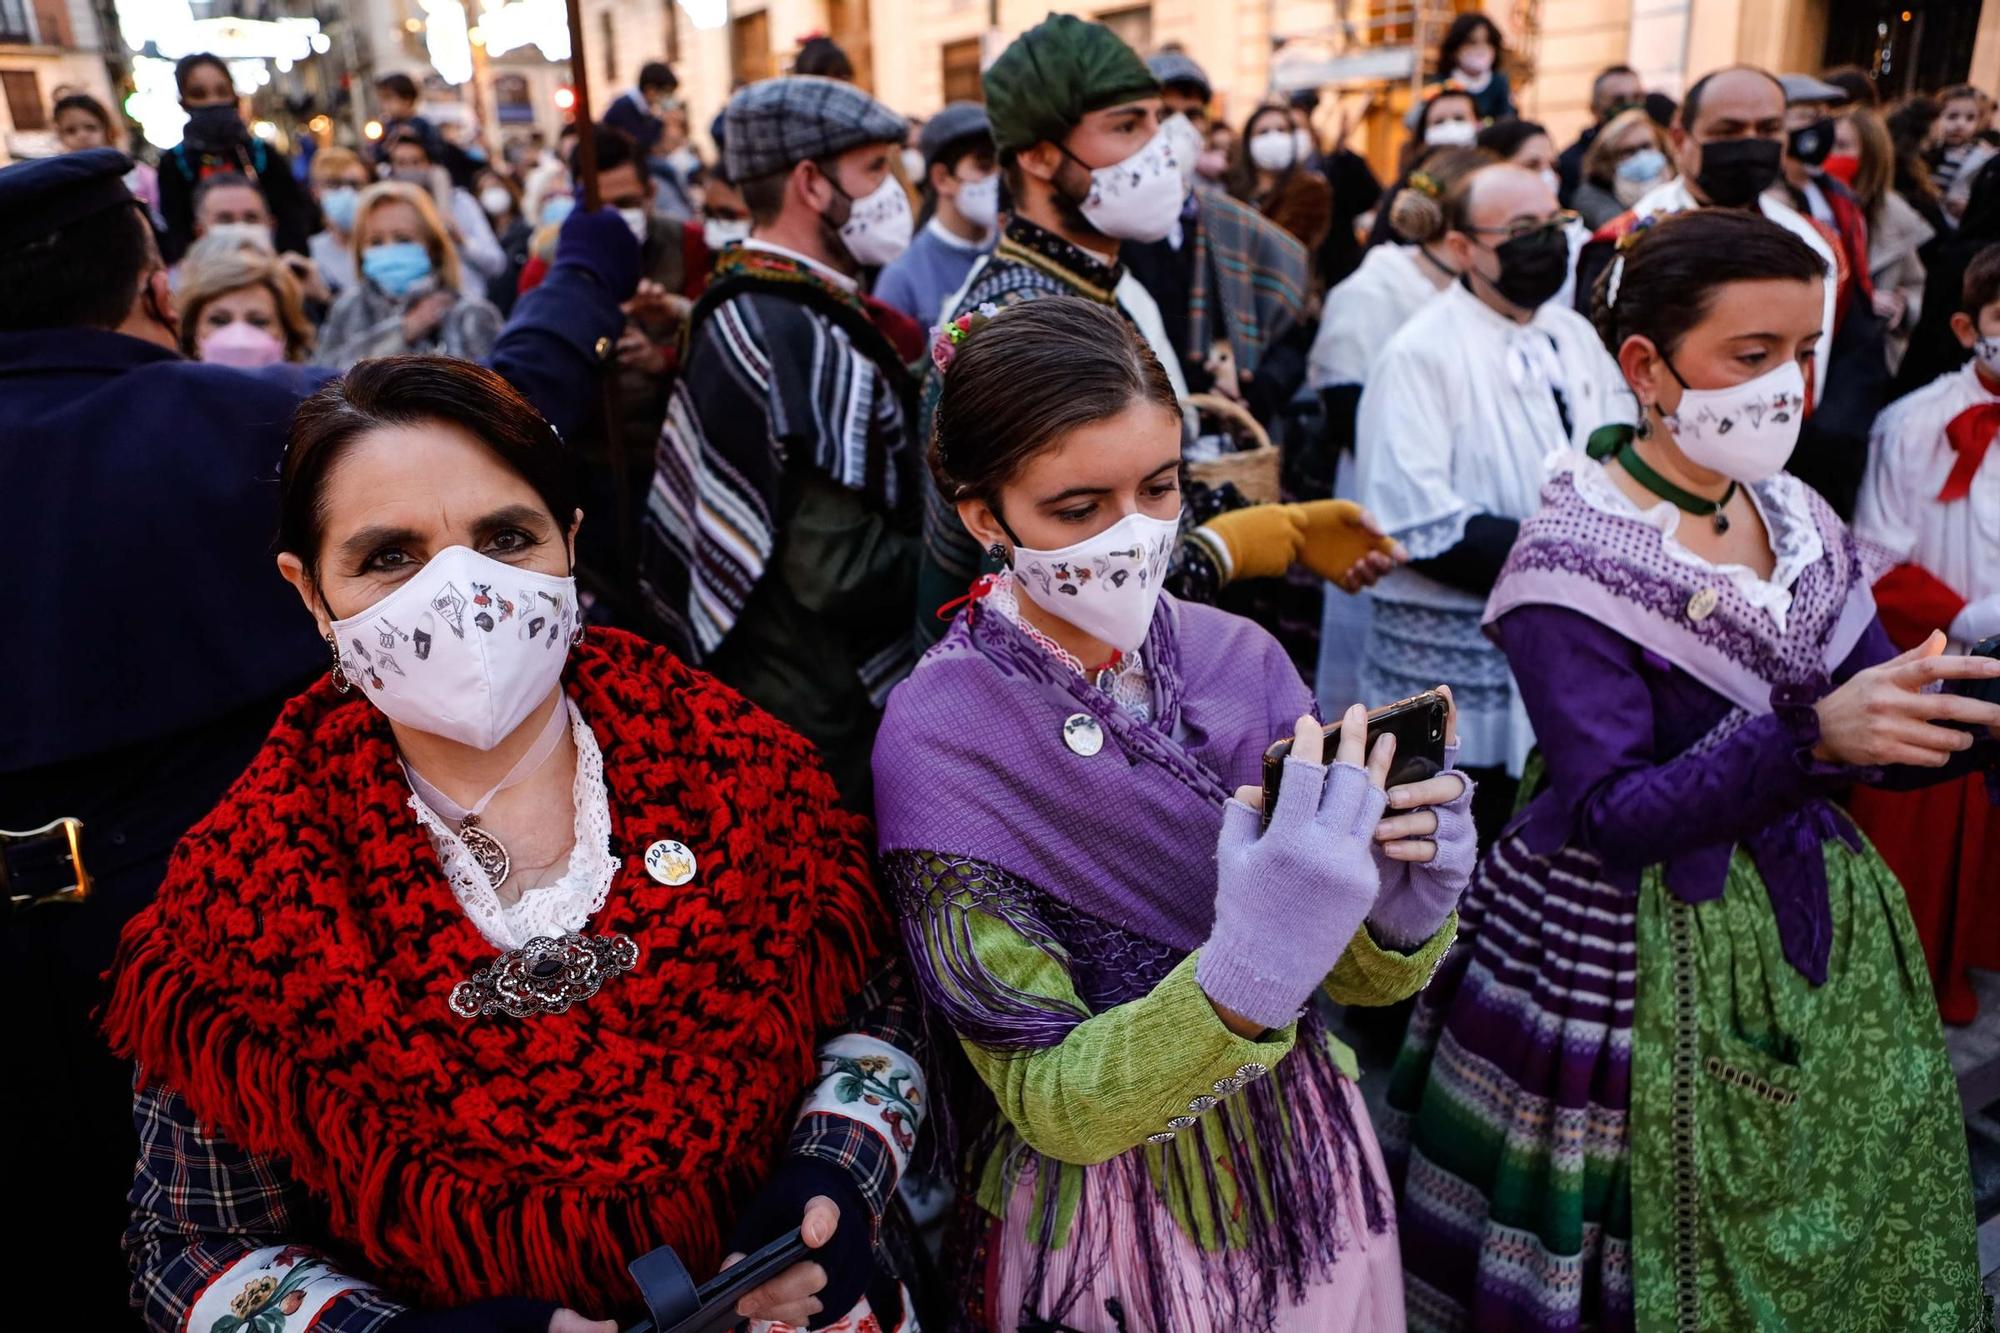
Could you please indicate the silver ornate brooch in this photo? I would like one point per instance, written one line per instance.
(544, 976)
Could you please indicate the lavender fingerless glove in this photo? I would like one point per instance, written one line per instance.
(1287, 903)
(1417, 898)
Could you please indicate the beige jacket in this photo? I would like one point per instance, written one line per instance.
(1894, 236)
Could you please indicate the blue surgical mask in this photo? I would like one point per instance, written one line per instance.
(397, 266)
(1643, 166)
(557, 207)
(338, 205)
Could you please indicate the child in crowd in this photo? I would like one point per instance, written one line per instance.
(1931, 505)
(1960, 152)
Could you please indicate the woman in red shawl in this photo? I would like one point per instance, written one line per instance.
(515, 953)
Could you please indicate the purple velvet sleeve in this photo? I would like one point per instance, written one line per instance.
(1595, 721)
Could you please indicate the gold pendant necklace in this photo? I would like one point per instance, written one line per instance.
(488, 852)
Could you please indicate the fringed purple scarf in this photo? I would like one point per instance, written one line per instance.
(1107, 861)
(1617, 570)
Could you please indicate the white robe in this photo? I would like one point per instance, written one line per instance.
(1909, 459)
(1459, 418)
(1364, 311)
(1673, 197)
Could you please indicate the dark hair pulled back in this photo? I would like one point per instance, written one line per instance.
(1032, 374)
(408, 391)
(1672, 269)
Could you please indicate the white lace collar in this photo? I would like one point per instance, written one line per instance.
(1781, 503)
(552, 909)
(1129, 687)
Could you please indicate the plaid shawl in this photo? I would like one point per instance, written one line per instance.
(1250, 276)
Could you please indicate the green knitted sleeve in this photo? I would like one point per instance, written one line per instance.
(1368, 974)
(1119, 1076)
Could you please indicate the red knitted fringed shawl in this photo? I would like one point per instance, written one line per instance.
(289, 982)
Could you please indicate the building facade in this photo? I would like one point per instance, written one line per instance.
(47, 48)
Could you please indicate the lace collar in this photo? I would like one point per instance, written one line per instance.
(1780, 502)
(552, 909)
(1128, 684)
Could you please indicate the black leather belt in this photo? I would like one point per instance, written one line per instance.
(43, 866)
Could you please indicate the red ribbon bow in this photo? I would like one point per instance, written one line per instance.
(1970, 435)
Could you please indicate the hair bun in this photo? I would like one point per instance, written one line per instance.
(1416, 215)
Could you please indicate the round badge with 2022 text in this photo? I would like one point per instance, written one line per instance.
(670, 862)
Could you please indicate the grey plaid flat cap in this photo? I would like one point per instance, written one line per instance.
(774, 124)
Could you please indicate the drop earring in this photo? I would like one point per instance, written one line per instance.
(1644, 430)
(340, 681)
(999, 555)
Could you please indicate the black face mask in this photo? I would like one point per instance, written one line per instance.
(1735, 171)
(218, 124)
(1532, 267)
(1810, 144)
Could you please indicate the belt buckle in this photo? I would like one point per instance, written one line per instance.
(53, 843)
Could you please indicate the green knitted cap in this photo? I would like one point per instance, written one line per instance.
(1055, 74)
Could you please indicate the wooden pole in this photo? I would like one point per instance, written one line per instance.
(586, 141)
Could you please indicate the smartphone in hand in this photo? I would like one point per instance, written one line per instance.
(1417, 724)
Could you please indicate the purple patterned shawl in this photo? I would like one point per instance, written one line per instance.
(1616, 570)
(971, 760)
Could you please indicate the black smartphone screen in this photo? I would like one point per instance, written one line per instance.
(1416, 723)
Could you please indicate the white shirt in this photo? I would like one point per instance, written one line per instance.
(1673, 197)
(476, 243)
(1459, 417)
(1378, 298)
(1909, 459)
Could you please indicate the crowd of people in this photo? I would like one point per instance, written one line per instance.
(770, 712)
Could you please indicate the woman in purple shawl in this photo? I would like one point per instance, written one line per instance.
(1167, 1139)
(1686, 1071)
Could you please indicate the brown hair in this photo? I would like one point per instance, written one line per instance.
(1877, 170)
(1981, 287)
(1417, 215)
(212, 278)
(1028, 377)
(333, 158)
(444, 255)
(1600, 164)
(1241, 175)
(404, 391)
(1668, 271)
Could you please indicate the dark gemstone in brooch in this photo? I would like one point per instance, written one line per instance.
(1721, 521)
(544, 976)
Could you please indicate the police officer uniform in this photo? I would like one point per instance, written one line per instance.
(150, 641)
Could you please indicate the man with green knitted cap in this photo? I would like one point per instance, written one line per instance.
(1090, 160)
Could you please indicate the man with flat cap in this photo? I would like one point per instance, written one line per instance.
(963, 186)
(152, 642)
(778, 551)
(1073, 110)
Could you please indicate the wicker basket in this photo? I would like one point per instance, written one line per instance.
(1254, 467)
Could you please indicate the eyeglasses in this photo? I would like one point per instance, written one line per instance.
(1514, 231)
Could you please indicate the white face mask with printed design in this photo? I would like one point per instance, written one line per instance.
(1139, 199)
(1745, 432)
(466, 648)
(1104, 585)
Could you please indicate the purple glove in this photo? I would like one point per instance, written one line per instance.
(602, 245)
(1288, 903)
(1418, 896)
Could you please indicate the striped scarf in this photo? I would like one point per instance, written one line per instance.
(782, 372)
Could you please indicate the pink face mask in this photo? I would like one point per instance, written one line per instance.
(241, 345)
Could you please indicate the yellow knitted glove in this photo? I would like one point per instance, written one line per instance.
(1258, 542)
(1333, 538)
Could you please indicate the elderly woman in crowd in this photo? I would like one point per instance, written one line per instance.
(1629, 156)
(243, 309)
(412, 295)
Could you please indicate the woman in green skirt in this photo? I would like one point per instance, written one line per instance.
(1687, 1073)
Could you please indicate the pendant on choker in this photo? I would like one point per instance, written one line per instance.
(488, 852)
(544, 976)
